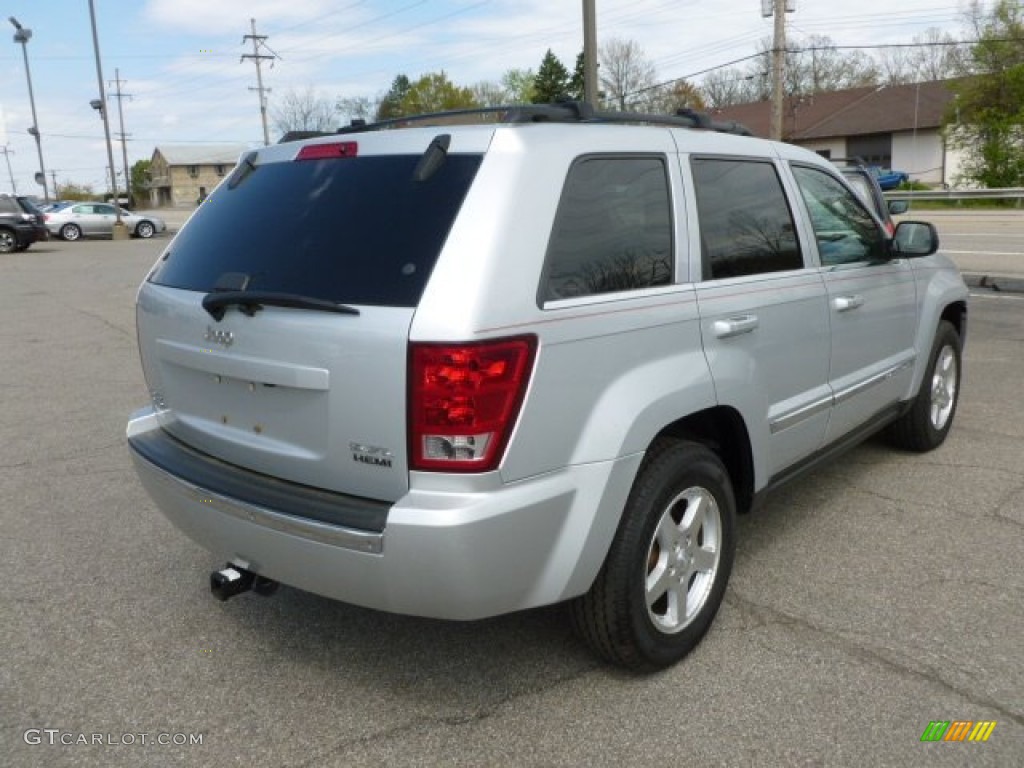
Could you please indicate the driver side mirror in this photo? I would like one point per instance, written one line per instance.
(915, 239)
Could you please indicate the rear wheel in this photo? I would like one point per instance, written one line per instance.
(70, 232)
(666, 572)
(927, 423)
(145, 229)
(8, 242)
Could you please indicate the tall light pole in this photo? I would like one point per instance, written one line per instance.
(23, 35)
(120, 232)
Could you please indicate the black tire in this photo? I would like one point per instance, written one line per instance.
(613, 618)
(927, 423)
(8, 242)
(145, 229)
(70, 232)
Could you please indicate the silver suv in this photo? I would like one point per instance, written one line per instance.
(461, 370)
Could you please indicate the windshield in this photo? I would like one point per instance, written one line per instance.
(356, 230)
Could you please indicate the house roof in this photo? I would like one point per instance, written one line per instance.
(201, 154)
(853, 112)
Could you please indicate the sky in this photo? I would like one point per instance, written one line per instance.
(180, 60)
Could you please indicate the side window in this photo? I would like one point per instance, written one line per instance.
(613, 229)
(845, 231)
(7, 205)
(746, 227)
(82, 209)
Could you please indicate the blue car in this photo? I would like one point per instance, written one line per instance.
(888, 178)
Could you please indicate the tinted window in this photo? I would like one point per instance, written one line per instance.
(746, 227)
(357, 230)
(844, 229)
(613, 229)
(8, 205)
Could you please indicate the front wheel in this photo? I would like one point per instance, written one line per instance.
(927, 423)
(145, 229)
(70, 232)
(666, 572)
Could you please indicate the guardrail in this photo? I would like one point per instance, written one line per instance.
(957, 195)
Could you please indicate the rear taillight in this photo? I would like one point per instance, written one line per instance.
(890, 228)
(334, 150)
(464, 400)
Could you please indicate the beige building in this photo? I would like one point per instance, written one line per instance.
(898, 126)
(180, 175)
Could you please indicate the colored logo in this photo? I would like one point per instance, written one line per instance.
(958, 730)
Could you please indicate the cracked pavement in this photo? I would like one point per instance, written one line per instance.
(882, 592)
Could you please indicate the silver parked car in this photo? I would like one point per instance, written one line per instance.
(97, 220)
(475, 369)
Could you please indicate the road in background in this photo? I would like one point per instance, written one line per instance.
(982, 243)
(879, 594)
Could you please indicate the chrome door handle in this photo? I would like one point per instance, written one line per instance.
(734, 326)
(846, 303)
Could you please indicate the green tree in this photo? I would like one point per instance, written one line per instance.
(577, 87)
(72, 191)
(986, 120)
(552, 80)
(518, 85)
(434, 92)
(140, 182)
(391, 105)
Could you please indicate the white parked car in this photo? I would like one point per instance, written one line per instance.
(97, 220)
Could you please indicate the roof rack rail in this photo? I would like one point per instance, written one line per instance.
(559, 112)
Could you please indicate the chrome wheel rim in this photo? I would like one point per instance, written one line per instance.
(70, 233)
(145, 230)
(943, 388)
(682, 559)
(7, 242)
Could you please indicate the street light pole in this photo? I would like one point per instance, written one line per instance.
(23, 35)
(120, 232)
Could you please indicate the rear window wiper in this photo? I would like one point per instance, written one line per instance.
(250, 302)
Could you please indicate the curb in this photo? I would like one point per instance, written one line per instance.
(995, 283)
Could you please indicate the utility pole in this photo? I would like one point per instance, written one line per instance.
(53, 176)
(122, 135)
(778, 69)
(778, 9)
(258, 43)
(589, 53)
(7, 156)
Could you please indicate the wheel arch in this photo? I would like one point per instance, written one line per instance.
(723, 430)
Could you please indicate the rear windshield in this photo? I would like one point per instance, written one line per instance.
(352, 230)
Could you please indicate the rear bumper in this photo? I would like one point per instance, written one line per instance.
(440, 554)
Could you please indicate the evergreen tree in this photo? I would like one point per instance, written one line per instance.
(552, 80)
(391, 104)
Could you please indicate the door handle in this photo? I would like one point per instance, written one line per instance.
(734, 326)
(846, 303)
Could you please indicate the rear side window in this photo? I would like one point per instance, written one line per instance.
(746, 227)
(613, 229)
(8, 205)
(359, 230)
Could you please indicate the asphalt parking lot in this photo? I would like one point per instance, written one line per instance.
(880, 593)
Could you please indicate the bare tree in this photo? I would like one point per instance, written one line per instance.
(304, 111)
(351, 108)
(725, 87)
(936, 57)
(624, 70)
